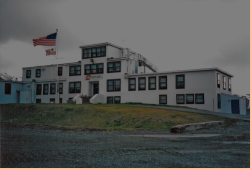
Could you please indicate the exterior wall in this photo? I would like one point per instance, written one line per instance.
(9, 98)
(226, 103)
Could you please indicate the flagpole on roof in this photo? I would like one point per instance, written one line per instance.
(57, 88)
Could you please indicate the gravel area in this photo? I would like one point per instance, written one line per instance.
(225, 146)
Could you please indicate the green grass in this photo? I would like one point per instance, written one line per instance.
(99, 116)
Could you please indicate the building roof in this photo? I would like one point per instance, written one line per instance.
(184, 71)
(101, 44)
(60, 64)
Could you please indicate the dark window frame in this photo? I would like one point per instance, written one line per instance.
(224, 83)
(129, 85)
(90, 54)
(114, 67)
(53, 84)
(162, 99)
(38, 100)
(44, 89)
(60, 88)
(108, 100)
(97, 69)
(229, 84)
(149, 83)
(162, 88)
(60, 100)
(60, 71)
(187, 102)
(183, 87)
(115, 101)
(218, 80)
(27, 77)
(74, 87)
(219, 101)
(53, 99)
(113, 84)
(39, 92)
(139, 83)
(7, 88)
(183, 98)
(196, 98)
(75, 71)
(38, 74)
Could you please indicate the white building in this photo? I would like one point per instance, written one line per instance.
(110, 74)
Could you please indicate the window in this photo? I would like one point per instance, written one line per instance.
(189, 98)
(162, 82)
(132, 84)
(219, 101)
(110, 100)
(74, 87)
(39, 89)
(152, 83)
(224, 82)
(142, 83)
(162, 99)
(60, 88)
(180, 98)
(229, 84)
(113, 67)
(75, 70)
(28, 73)
(113, 85)
(38, 100)
(52, 88)
(60, 100)
(218, 80)
(52, 100)
(94, 69)
(7, 88)
(116, 99)
(45, 89)
(180, 81)
(94, 52)
(38, 72)
(60, 71)
(199, 98)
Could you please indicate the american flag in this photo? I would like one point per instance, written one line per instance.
(49, 40)
(50, 52)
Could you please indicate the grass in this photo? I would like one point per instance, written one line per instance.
(99, 116)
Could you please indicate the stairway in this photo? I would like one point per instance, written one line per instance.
(86, 100)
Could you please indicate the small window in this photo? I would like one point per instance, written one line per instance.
(52, 88)
(132, 84)
(38, 100)
(116, 99)
(142, 83)
(94, 68)
(103, 51)
(224, 82)
(74, 87)
(52, 100)
(190, 99)
(219, 101)
(38, 72)
(60, 100)
(39, 89)
(94, 52)
(199, 98)
(218, 80)
(162, 99)
(152, 83)
(110, 100)
(180, 81)
(7, 88)
(45, 89)
(180, 98)
(113, 67)
(75, 70)
(113, 85)
(229, 84)
(60, 88)
(60, 71)
(162, 82)
(28, 73)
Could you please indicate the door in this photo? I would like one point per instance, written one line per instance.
(235, 106)
(18, 96)
(95, 88)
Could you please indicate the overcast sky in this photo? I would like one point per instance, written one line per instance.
(173, 34)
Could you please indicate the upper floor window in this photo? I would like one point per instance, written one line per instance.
(60, 88)
(7, 88)
(218, 80)
(74, 87)
(142, 83)
(113, 85)
(94, 68)
(132, 84)
(219, 101)
(45, 89)
(75, 70)
(199, 98)
(38, 72)
(162, 82)
(162, 99)
(229, 84)
(180, 98)
(224, 82)
(190, 99)
(94, 52)
(28, 73)
(60, 71)
(113, 67)
(39, 89)
(52, 88)
(152, 83)
(180, 81)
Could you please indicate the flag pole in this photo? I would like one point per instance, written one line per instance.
(57, 88)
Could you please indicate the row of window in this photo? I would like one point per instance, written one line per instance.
(74, 87)
(52, 100)
(94, 52)
(116, 99)
(189, 98)
(224, 82)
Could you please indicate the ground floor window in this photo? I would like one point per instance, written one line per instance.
(199, 98)
(116, 99)
(219, 101)
(113, 85)
(38, 100)
(74, 87)
(45, 89)
(7, 88)
(60, 88)
(162, 99)
(190, 99)
(39, 89)
(132, 84)
(52, 88)
(52, 100)
(180, 98)
(110, 100)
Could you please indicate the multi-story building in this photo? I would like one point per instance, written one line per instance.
(111, 74)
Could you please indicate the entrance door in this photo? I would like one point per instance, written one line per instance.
(18, 96)
(95, 88)
(235, 106)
